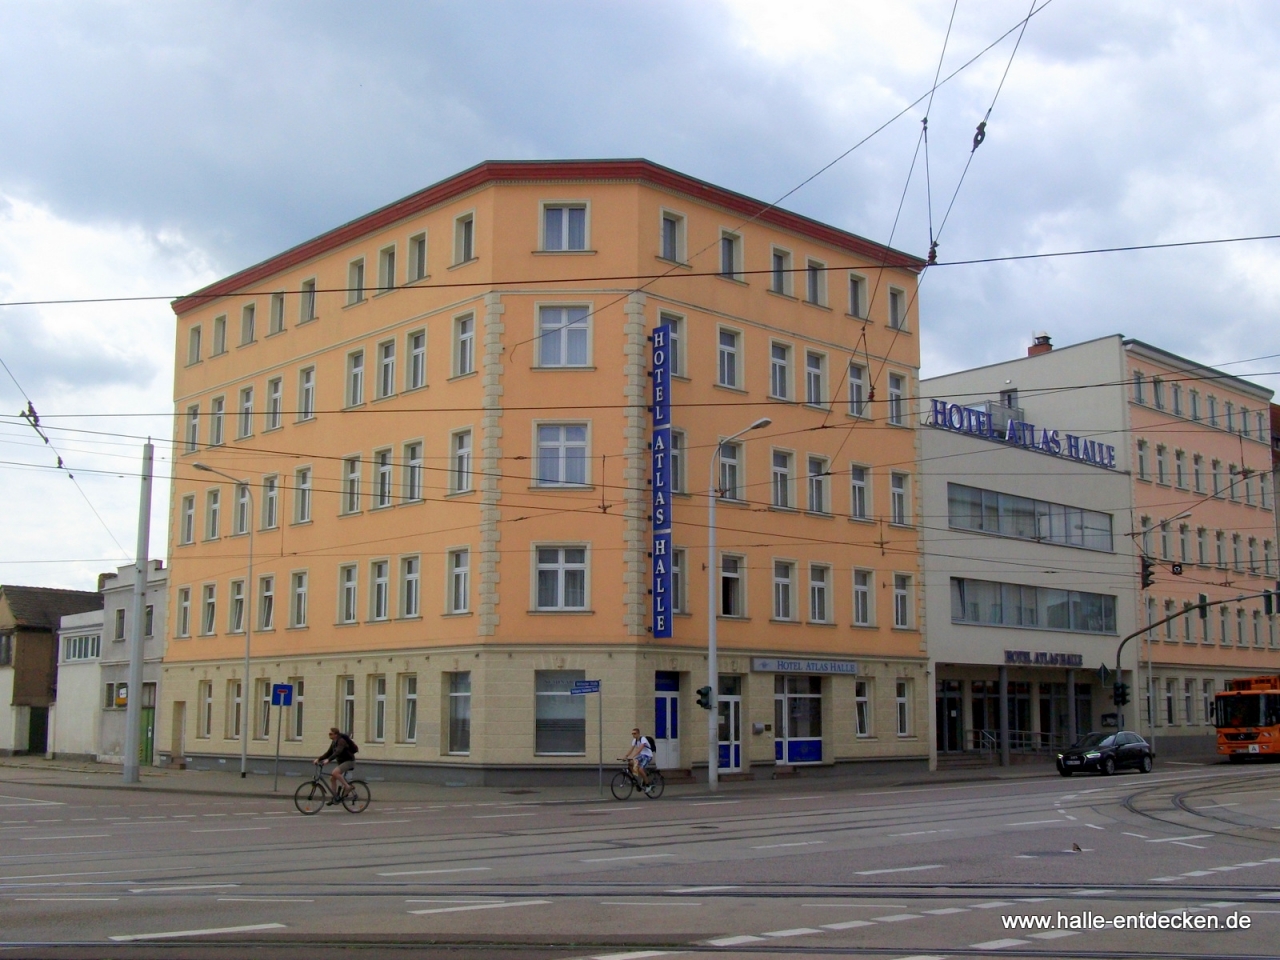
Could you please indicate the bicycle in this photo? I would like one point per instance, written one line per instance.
(316, 792)
(625, 783)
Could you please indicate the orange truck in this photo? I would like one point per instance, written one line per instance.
(1247, 715)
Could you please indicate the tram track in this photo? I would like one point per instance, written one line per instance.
(1160, 804)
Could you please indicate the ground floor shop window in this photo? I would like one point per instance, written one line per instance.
(862, 707)
(560, 719)
(460, 712)
(797, 719)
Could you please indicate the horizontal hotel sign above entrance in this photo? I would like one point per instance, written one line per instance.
(783, 665)
(1039, 658)
(1019, 433)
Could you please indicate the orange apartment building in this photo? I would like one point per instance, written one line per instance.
(433, 420)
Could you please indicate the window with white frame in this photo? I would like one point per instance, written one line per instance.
(386, 269)
(862, 707)
(1195, 404)
(382, 478)
(306, 393)
(464, 238)
(275, 318)
(307, 302)
(1139, 394)
(413, 471)
(1229, 407)
(386, 369)
(296, 713)
(562, 454)
(464, 345)
(347, 704)
(815, 377)
(355, 378)
(235, 621)
(561, 578)
(459, 566)
(187, 519)
(1202, 546)
(458, 686)
(898, 512)
(784, 574)
(235, 708)
(219, 336)
(1220, 544)
(204, 719)
(416, 373)
(1197, 473)
(902, 707)
(780, 370)
(183, 626)
(1253, 555)
(242, 518)
(859, 492)
(355, 281)
(87, 647)
(675, 342)
(730, 256)
(1143, 471)
(673, 233)
(857, 296)
(815, 290)
(1180, 469)
(819, 501)
(564, 227)
(298, 600)
(1162, 471)
(410, 586)
(193, 428)
(897, 309)
(217, 407)
(1213, 411)
(275, 403)
(901, 600)
(780, 479)
(379, 590)
(675, 459)
(1157, 392)
(248, 320)
(408, 708)
(679, 598)
(897, 406)
(348, 594)
(730, 463)
(729, 341)
(857, 390)
(417, 257)
(302, 495)
(563, 336)
(780, 275)
(732, 587)
(193, 345)
(212, 513)
(1176, 390)
(819, 593)
(460, 478)
(209, 609)
(378, 724)
(351, 485)
(267, 603)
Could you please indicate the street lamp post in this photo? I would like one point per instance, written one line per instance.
(248, 620)
(713, 669)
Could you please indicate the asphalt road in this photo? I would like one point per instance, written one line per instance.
(795, 869)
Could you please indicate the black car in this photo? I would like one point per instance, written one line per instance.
(1106, 753)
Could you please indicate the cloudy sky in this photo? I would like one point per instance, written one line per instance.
(150, 148)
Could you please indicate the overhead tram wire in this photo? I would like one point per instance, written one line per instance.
(933, 247)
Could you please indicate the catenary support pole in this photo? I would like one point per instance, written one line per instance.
(275, 784)
(600, 734)
(133, 706)
(1004, 716)
(1071, 708)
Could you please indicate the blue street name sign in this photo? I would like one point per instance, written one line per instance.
(584, 686)
(660, 463)
(282, 694)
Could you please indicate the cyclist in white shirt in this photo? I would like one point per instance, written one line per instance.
(639, 757)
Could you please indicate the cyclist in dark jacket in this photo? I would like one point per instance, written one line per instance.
(342, 751)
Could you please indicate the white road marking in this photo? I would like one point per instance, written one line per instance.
(229, 829)
(357, 823)
(872, 873)
(1032, 823)
(416, 873)
(65, 899)
(1053, 934)
(1094, 826)
(494, 816)
(264, 900)
(77, 836)
(699, 889)
(802, 843)
(793, 932)
(85, 873)
(1140, 836)
(1199, 873)
(29, 802)
(735, 941)
(1193, 846)
(1089, 893)
(189, 886)
(126, 938)
(1163, 879)
(713, 803)
(992, 904)
(639, 856)
(947, 911)
(1190, 836)
(648, 903)
(997, 944)
(633, 955)
(848, 924)
(480, 906)
(920, 833)
(897, 917)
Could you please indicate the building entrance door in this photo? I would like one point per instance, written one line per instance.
(38, 730)
(666, 719)
(729, 708)
(950, 716)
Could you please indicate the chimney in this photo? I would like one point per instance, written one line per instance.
(1040, 344)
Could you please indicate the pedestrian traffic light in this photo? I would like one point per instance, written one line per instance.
(704, 698)
(1120, 694)
(1203, 604)
(1148, 573)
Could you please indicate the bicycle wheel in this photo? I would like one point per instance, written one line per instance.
(357, 798)
(310, 797)
(622, 785)
(656, 785)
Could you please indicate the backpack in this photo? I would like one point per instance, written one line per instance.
(649, 740)
(354, 749)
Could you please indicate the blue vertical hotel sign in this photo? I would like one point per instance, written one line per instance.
(660, 461)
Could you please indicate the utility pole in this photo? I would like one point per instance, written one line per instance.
(133, 706)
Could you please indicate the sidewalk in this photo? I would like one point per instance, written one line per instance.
(101, 776)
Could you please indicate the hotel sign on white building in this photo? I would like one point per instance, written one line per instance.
(978, 422)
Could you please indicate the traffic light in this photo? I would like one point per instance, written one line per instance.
(1120, 694)
(1148, 573)
(1204, 607)
(704, 698)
